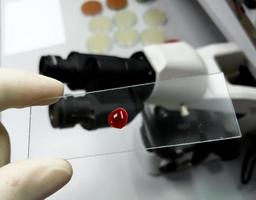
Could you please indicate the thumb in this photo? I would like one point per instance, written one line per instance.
(33, 179)
(4, 146)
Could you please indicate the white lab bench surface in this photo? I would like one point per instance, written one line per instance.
(58, 27)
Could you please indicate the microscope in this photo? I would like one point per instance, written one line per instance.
(143, 84)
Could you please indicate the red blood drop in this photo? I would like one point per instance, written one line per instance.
(118, 118)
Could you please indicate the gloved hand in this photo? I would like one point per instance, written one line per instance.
(31, 179)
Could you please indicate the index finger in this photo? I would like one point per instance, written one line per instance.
(20, 89)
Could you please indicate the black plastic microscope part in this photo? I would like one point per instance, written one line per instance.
(244, 77)
(161, 128)
(97, 72)
(249, 159)
(184, 157)
(226, 150)
(251, 4)
(167, 128)
(92, 110)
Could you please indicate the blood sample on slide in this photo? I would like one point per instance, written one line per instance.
(118, 118)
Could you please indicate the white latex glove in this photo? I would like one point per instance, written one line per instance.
(31, 179)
